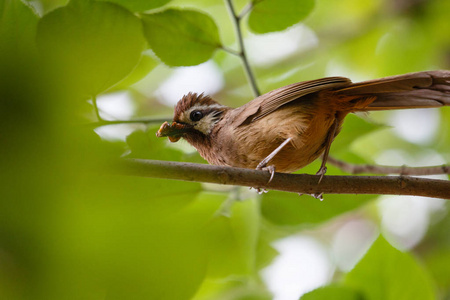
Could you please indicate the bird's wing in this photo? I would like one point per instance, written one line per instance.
(268, 103)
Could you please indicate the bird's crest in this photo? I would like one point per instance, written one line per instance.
(190, 100)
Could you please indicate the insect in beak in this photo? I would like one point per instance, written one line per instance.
(173, 131)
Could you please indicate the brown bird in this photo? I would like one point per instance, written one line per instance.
(288, 128)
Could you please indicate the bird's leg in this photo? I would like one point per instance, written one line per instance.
(263, 164)
(329, 140)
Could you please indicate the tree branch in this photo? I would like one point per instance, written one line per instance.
(298, 183)
(241, 53)
(401, 170)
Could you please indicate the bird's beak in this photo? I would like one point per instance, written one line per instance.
(173, 131)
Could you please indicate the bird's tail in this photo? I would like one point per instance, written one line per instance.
(413, 90)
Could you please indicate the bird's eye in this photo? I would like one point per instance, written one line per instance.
(196, 115)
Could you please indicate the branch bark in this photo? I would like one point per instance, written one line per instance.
(297, 183)
(378, 169)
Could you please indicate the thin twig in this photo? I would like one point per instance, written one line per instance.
(400, 170)
(242, 53)
(136, 121)
(298, 183)
(246, 10)
(231, 51)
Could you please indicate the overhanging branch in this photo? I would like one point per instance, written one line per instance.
(297, 183)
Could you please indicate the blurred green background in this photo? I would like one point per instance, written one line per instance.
(71, 228)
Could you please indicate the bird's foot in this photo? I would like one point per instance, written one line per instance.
(259, 190)
(321, 172)
(316, 195)
(270, 169)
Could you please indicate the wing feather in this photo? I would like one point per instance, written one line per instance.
(268, 103)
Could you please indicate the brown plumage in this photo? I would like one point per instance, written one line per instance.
(309, 114)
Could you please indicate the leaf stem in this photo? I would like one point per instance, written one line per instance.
(241, 53)
(246, 10)
(97, 113)
(231, 51)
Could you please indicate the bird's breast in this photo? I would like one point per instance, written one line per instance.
(247, 145)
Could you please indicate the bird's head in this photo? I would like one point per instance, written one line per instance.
(194, 118)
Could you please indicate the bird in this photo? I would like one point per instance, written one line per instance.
(286, 129)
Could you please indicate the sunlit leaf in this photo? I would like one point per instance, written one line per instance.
(96, 44)
(275, 15)
(181, 37)
(233, 241)
(154, 257)
(132, 229)
(18, 25)
(236, 289)
(145, 65)
(387, 273)
(436, 254)
(231, 234)
(147, 145)
(140, 5)
(334, 292)
(437, 262)
(291, 209)
(443, 138)
(265, 251)
(353, 128)
(394, 58)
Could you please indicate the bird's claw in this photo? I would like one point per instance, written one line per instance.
(259, 190)
(270, 169)
(316, 195)
(321, 172)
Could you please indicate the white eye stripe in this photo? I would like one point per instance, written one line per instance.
(211, 107)
(205, 107)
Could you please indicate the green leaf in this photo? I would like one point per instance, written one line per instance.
(153, 260)
(139, 5)
(443, 137)
(291, 209)
(353, 128)
(147, 145)
(334, 292)
(436, 253)
(181, 37)
(18, 25)
(437, 261)
(389, 274)
(275, 15)
(232, 289)
(130, 231)
(231, 233)
(233, 240)
(95, 44)
(146, 64)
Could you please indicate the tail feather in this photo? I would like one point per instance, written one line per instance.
(413, 90)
